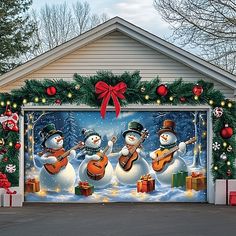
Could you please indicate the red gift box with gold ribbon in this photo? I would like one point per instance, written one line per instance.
(146, 184)
(32, 185)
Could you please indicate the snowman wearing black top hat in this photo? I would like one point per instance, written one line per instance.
(140, 166)
(53, 143)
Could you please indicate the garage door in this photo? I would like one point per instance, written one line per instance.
(141, 156)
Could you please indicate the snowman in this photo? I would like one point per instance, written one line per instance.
(139, 167)
(92, 146)
(168, 140)
(64, 178)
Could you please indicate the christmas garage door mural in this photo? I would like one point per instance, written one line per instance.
(151, 156)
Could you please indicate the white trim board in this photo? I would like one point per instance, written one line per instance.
(210, 184)
(140, 35)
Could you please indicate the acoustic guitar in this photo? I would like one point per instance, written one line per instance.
(166, 156)
(126, 162)
(62, 160)
(96, 168)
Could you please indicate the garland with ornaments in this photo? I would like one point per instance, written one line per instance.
(105, 89)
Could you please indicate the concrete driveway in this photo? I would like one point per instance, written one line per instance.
(118, 219)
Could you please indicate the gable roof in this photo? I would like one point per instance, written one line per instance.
(140, 35)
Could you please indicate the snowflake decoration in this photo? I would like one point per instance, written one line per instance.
(216, 146)
(218, 112)
(10, 168)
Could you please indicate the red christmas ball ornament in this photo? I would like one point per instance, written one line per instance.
(17, 146)
(197, 90)
(226, 132)
(51, 91)
(182, 99)
(58, 101)
(162, 90)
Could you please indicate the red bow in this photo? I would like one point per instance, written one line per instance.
(106, 91)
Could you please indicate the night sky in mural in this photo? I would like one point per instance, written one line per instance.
(188, 125)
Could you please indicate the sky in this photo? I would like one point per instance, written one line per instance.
(138, 12)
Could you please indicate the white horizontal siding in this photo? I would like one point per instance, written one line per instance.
(118, 53)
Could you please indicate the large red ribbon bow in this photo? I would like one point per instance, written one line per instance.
(106, 91)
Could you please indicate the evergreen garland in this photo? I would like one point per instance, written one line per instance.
(82, 91)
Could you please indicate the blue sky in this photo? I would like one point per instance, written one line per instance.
(138, 12)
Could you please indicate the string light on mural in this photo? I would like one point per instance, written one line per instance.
(226, 132)
(162, 90)
(218, 112)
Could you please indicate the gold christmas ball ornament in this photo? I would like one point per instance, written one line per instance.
(77, 87)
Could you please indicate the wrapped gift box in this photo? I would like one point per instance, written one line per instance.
(84, 188)
(178, 179)
(223, 187)
(146, 184)
(12, 200)
(32, 186)
(232, 198)
(196, 181)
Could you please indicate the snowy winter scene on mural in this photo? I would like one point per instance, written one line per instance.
(143, 156)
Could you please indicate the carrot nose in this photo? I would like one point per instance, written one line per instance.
(165, 138)
(59, 139)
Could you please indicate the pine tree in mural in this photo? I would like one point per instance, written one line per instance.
(70, 131)
(197, 120)
(32, 118)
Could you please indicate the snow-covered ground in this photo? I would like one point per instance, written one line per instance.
(120, 193)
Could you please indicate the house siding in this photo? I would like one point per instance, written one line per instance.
(118, 53)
